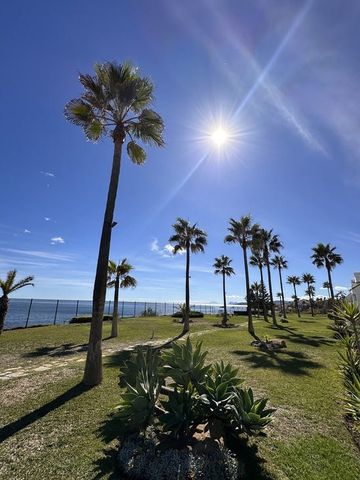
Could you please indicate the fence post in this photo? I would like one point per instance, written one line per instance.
(77, 308)
(28, 314)
(134, 309)
(56, 310)
(122, 309)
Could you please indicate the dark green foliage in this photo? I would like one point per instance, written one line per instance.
(182, 412)
(249, 415)
(148, 312)
(196, 394)
(87, 319)
(350, 369)
(143, 382)
(185, 364)
(192, 314)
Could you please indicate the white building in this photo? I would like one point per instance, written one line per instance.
(354, 292)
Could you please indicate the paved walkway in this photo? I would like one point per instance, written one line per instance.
(73, 359)
(23, 371)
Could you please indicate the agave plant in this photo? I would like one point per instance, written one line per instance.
(182, 412)
(249, 415)
(350, 369)
(138, 402)
(349, 314)
(185, 364)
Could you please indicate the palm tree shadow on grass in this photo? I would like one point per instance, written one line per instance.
(108, 431)
(312, 340)
(294, 363)
(17, 425)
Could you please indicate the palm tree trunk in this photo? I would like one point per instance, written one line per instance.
(271, 294)
(4, 305)
(93, 366)
(330, 282)
(296, 302)
(263, 294)
(224, 322)
(247, 279)
(282, 294)
(187, 292)
(114, 321)
(310, 301)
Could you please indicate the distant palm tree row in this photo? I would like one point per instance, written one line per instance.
(261, 244)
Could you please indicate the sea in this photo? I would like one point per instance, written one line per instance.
(25, 312)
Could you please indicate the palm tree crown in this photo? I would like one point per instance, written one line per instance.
(115, 101)
(120, 271)
(325, 256)
(9, 286)
(188, 236)
(308, 278)
(222, 266)
(242, 231)
(279, 262)
(293, 280)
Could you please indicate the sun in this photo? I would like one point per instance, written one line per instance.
(219, 136)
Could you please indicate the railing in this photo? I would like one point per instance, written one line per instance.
(30, 312)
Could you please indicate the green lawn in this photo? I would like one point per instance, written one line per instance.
(57, 429)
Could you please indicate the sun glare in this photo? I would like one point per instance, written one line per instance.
(219, 136)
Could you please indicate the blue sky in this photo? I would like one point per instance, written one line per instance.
(281, 76)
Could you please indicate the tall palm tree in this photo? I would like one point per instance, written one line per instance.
(114, 102)
(325, 256)
(310, 281)
(118, 277)
(189, 239)
(243, 232)
(258, 291)
(310, 292)
(270, 244)
(9, 286)
(295, 281)
(257, 260)
(280, 263)
(222, 267)
(327, 286)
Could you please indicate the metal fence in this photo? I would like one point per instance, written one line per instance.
(27, 313)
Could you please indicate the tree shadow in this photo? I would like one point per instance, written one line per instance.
(293, 363)
(254, 465)
(17, 425)
(108, 431)
(57, 351)
(312, 340)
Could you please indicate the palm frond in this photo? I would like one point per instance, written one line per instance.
(136, 153)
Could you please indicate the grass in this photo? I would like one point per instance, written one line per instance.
(57, 429)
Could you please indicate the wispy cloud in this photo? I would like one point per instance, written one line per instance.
(48, 174)
(57, 240)
(167, 251)
(41, 254)
(47, 219)
(27, 231)
(341, 289)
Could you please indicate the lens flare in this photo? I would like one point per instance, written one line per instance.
(219, 136)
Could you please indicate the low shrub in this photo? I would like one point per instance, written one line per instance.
(148, 312)
(193, 314)
(87, 319)
(177, 394)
